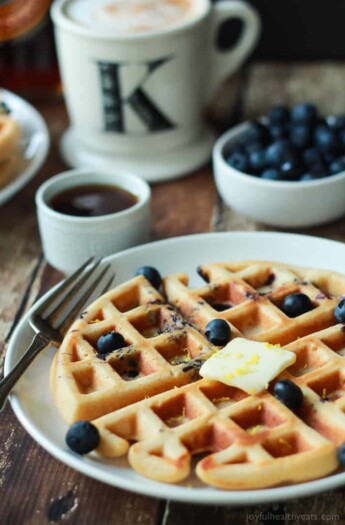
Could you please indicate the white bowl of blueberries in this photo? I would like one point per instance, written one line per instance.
(286, 169)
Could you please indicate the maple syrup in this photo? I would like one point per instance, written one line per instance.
(93, 200)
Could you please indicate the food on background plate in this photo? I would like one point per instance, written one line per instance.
(150, 391)
(291, 145)
(10, 151)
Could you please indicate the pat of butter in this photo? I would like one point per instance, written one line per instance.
(247, 365)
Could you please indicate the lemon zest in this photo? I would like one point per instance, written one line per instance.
(254, 430)
(241, 371)
(253, 360)
(270, 346)
(285, 443)
(221, 399)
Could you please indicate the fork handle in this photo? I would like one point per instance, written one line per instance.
(39, 343)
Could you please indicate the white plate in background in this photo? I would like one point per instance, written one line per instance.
(35, 141)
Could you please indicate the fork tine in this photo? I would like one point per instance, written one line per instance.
(108, 285)
(62, 287)
(69, 296)
(67, 320)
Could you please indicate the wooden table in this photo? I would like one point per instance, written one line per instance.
(35, 488)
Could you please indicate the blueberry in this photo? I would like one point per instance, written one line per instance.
(236, 148)
(329, 157)
(296, 304)
(258, 132)
(278, 114)
(318, 171)
(320, 121)
(341, 137)
(151, 274)
(309, 176)
(336, 122)
(279, 131)
(218, 332)
(337, 166)
(312, 156)
(288, 393)
(291, 170)
(304, 113)
(271, 174)
(4, 109)
(239, 161)
(109, 342)
(341, 455)
(251, 147)
(325, 139)
(257, 160)
(301, 136)
(82, 437)
(339, 312)
(278, 152)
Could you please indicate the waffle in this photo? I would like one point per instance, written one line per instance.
(249, 441)
(11, 156)
(159, 344)
(10, 167)
(9, 137)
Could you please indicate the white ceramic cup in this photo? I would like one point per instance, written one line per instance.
(138, 99)
(69, 240)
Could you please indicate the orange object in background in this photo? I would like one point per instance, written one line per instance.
(20, 16)
(27, 52)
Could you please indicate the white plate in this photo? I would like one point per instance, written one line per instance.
(35, 408)
(35, 141)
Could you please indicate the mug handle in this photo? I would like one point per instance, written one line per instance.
(224, 62)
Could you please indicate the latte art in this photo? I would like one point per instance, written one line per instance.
(133, 16)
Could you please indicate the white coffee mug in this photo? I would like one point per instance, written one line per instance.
(136, 99)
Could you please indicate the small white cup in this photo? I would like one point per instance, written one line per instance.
(69, 240)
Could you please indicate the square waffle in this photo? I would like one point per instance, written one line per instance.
(159, 346)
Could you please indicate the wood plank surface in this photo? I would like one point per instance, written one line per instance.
(37, 489)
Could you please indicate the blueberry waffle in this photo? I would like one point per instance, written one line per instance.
(158, 345)
(248, 441)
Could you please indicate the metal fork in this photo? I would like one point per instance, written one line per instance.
(52, 318)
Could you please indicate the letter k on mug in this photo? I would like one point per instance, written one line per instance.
(137, 75)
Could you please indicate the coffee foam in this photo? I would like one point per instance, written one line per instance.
(132, 16)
